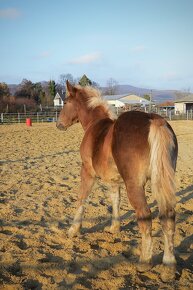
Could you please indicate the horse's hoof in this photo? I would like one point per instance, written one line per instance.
(113, 229)
(73, 232)
(144, 266)
(168, 273)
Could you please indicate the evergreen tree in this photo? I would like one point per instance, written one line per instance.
(4, 90)
(147, 97)
(52, 88)
(85, 81)
(37, 91)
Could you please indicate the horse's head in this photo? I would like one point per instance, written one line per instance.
(69, 114)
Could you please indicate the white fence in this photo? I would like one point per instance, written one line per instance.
(36, 117)
(171, 116)
(52, 116)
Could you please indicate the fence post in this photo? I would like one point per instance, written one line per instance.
(37, 117)
(1, 117)
(170, 115)
(187, 115)
(18, 117)
(56, 115)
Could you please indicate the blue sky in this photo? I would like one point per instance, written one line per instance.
(144, 43)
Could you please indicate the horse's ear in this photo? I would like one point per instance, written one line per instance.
(70, 88)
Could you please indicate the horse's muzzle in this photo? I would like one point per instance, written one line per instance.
(60, 126)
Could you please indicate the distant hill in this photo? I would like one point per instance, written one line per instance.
(158, 96)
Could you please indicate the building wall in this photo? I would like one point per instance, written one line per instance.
(116, 103)
(180, 108)
(58, 102)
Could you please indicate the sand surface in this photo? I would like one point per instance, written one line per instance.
(40, 176)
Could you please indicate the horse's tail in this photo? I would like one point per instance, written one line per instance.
(163, 156)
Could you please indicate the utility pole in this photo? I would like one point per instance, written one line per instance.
(150, 99)
(24, 109)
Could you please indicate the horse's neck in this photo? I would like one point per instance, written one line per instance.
(87, 116)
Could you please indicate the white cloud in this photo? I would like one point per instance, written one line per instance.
(86, 59)
(10, 13)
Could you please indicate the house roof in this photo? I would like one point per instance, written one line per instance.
(113, 97)
(134, 99)
(59, 96)
(127, 99)
(166, 104)
(186, 99)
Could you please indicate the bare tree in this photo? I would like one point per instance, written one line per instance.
(112, 87)
(63, 78)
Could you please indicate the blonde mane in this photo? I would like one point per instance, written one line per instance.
(95, 100)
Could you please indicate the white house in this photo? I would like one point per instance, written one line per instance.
(126, 99)
(184, 105)
(116, 103)
(59, 100)
(134, 100)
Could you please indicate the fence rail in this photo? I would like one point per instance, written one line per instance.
(46, 116)
(36, 117)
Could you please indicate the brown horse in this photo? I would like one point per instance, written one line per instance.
(133, 148)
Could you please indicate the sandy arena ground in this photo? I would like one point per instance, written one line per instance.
(40, 176)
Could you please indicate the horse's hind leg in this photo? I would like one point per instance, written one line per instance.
(167, 220)
(115, 198)
(87, 181)
(136, 195)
